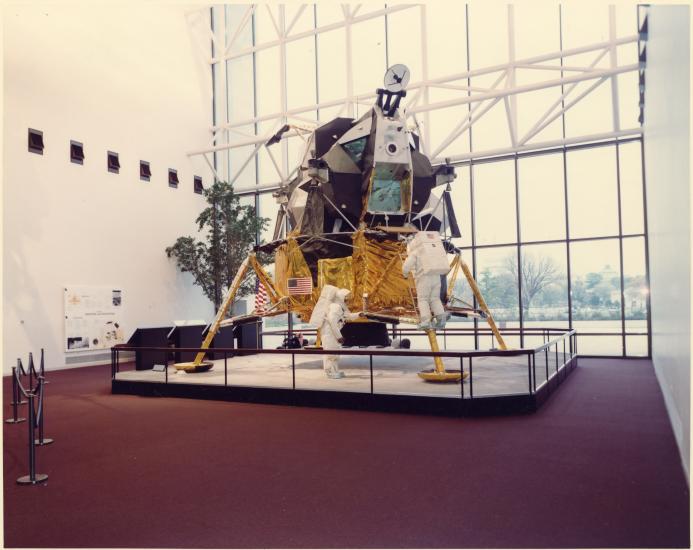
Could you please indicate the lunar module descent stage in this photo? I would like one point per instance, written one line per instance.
(362, 192)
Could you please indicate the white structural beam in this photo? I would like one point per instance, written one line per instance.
(537, 146)
(613, 63)
(418, 108)
(526, 88)
(312, 32)
(241, 26)
(445, 79)
(424, 76)
(558, 102)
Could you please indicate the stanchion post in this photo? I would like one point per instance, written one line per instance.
(33, 478)
(41, 439)
(31, 372)
(16, 394)
(42, 369)
(15, 399)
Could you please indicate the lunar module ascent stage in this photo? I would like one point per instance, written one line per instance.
(362, 194)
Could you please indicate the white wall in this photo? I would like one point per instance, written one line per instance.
(125, 78)
(667, 147)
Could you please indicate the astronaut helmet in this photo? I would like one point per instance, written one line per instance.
(342, 294)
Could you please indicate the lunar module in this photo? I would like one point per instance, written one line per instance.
(362, 193)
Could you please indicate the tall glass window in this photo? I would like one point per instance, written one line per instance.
(550, 203)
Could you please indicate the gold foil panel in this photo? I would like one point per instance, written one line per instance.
(377, 268)
(336, 272)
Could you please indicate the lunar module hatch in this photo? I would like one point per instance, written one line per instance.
(363, 190)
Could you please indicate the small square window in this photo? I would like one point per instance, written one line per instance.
(145, 173)
(76, 152)
(172, 178)
(197, 185)
(113, 162)
(35, 141)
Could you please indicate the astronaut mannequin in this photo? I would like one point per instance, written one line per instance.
(427, 260)
(330, 330)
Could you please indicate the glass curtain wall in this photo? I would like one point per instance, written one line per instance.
(554, 238)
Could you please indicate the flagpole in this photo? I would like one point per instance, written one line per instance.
(290, 322)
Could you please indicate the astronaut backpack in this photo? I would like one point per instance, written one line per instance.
(431, 252)
(317, 318)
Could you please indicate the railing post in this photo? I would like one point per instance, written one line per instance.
(371, 363)
(293, 370)
(166, 367)
(471, 379)
(529, 372)
(33, 478)
(462, 377)
(226, 371)
(15, 399)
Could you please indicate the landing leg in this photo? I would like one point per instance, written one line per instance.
(438, 374)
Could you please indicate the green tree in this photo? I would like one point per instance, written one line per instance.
(230, 230)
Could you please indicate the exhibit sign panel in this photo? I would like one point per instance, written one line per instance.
(93, 317)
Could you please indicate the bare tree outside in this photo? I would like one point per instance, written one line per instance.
(537, 274)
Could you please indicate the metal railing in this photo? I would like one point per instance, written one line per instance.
(545, 362)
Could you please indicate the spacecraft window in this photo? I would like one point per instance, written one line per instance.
(386, 196)
(355, 148)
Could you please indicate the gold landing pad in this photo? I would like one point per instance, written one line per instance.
(444, 377)
(192, 367)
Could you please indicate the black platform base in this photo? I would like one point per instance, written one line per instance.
(446, 406)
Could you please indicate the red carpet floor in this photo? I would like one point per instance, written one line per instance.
(597, 466)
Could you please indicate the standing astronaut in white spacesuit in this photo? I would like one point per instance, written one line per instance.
(330, 314)
(427, 259)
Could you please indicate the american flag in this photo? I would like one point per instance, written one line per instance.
(299, 285)
(261, 298)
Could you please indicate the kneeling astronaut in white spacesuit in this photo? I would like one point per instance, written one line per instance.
(330, 314)
(427, 259)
